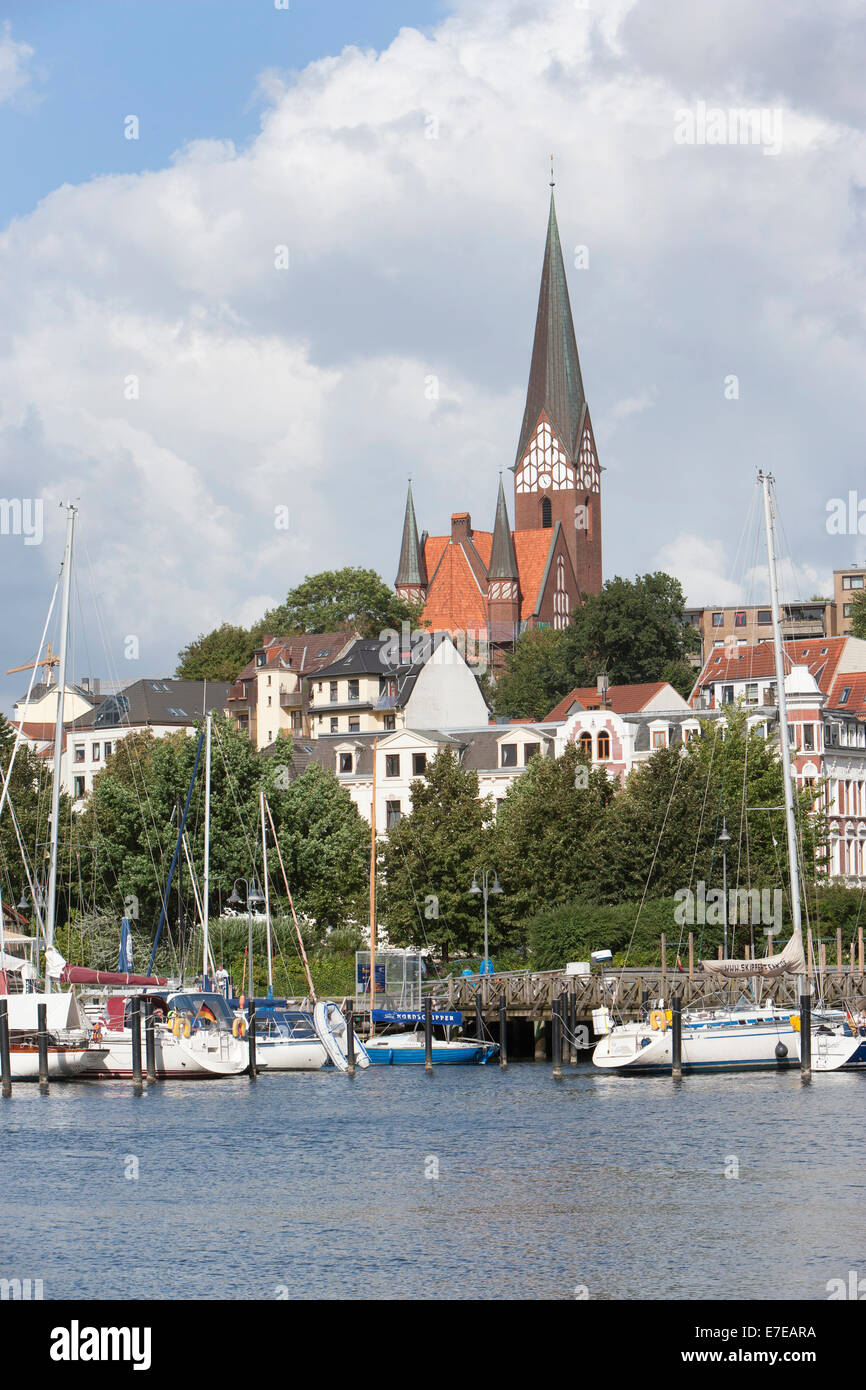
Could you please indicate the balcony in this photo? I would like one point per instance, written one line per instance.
(290, 699)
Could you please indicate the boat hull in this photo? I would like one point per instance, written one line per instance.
(729, 1047)
(64, 1063)
(282, 1054)
(385, 1052)
(176, 1058)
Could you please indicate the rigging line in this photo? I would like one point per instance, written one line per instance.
(18, 729)
(33, 895)
(291, 902)
(680, 762)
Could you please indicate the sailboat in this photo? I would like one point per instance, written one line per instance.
(70, 1044)
(748, 1036)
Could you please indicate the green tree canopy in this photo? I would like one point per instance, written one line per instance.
(352, 599)
(858, 613)
(325, 844)
(536, 676)
(429, 859)
(216, 656)
(30, 797)
(632, 630)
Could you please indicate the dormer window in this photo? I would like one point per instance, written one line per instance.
(843, 698)
(508, 755)
(346, 762)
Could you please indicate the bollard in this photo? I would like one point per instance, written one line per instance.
(350, 1041)
(428, 1036)
(135, 1025)
(556, 1039)
(503, 1035)
(251, 1036)
(5, 1056)
(676, 1037)
(149, 1038)
(42, 1044)
(572, 1027)
(805, 1035)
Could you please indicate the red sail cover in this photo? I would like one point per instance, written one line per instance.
(80, 975)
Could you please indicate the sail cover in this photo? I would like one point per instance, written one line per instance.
(791, 961)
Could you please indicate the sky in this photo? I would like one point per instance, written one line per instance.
(259, 264)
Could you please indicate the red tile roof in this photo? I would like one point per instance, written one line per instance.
(623, 699)
(455, 599)
(820, 654)
(856, 702)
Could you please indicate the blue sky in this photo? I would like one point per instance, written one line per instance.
(316, 272)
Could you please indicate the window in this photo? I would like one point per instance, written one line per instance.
(843, 698)
(354, 724)
(852, 581)
(106, 750)
(296, 719)
(792, 740)
(752, 694)
(394, 814)
(727, 694)
(324, 652)
(809, 738)
(508, 755)
(846, 610)
(269, 680)
(718, 620)
(79, 752)
(659, 738)
(270, 699)
(392, 764)
(79, 788)
(584, 743)
(765, 617)
(353, 690)
(419, 764)
(546, 513)
(335, 725)
(389, 721)
(739, 620)
(530, 750)
(689, 732)
(332, 692)
(94, 752)
(346, 762)
(604, 746)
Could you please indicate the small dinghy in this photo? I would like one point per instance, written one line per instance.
(330, 1026)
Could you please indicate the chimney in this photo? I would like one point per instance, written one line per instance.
(96, 685)
(461, 527)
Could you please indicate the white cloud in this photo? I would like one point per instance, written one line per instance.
(15, 71)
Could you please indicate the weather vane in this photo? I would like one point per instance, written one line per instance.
(552, 179)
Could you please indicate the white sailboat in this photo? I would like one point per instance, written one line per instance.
(749, 1036)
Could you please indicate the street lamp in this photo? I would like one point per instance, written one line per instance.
(724, 839)
(254, 898)
(485, 876)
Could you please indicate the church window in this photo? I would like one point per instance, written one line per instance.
(560, 597)
(604, 746)
(546, 513)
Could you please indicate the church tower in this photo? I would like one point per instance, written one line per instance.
(556, 473)
(411, 581)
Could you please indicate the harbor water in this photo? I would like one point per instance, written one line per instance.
(471, 1183)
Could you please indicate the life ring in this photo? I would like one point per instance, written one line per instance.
(175, 1020)
(795, 1022)
(658, 1019)
(239, 1028)
(187, 1027)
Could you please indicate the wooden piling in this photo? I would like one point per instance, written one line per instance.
(135, 1025)
(664, 954)
(805, 1035)
(556, 1039)
(676, 1037)
(503, 1035)
(691, 955)
(860, 950)
(350, 1040)
(149, 1038)
(5, 1055)
(428, 1036)
(251, 1037)
(838, 950)
(479, 1018)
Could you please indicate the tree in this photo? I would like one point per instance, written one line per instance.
(632, 631)
(429, 858)
(216, 656)
(352, 599)
(325, 844)
(543, 835)
(536, 675)
(29, 797)
(858, 613)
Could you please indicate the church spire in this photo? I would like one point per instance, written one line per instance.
(503, 560)
(555, 383)
(412, 571)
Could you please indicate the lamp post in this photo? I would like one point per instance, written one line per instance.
(254, 898)
(724, 839)
(485, 876)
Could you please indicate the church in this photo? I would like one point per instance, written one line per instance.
(494, 585)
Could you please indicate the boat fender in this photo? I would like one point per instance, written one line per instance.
(669, 1015)
(781, 1050)
(97, 1032)
(795, 1022)
(187, 1027)
(658, 1019)
(175, 1021)
(239, 1028)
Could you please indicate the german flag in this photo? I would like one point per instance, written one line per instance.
(206, 1014)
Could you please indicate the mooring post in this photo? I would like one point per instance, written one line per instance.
(676, 1037)
(572, 1026)
(503, 1034)
(5, 1057)
(251, 1036)
(479, 1018)
(556, 1039)
(42, 1044)
(350, 1040)
(149, 1038)
(805, 1034)
(428, 1036)
(135, 1025)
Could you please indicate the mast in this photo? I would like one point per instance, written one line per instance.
(373, 893)
(51, 915)
(767, 481)
(206, 878)
(267, 893)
